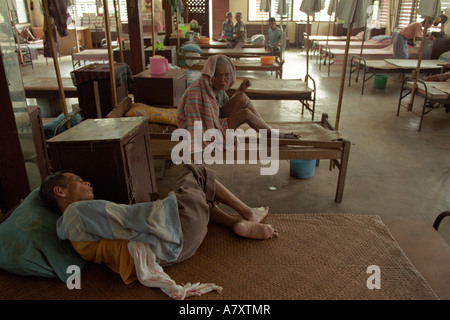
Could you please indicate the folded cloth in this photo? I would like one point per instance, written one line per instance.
(154, 231)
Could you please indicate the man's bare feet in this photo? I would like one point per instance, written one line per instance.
(254, 230)
(258, 214)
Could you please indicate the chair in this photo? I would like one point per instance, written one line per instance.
(26, 54)
(40, 141)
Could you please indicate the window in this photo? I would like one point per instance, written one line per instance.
(384, 14)
(407, 13)
(21, 14)
(294, 13)
(90, 7)
(445, 4)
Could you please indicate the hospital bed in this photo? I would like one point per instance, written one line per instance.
(236, 53)
(371, 54)
(319, 46)
(88, 55)
(318, 140)
(243, 65)
(221, 44)
(432, 92)
(281, 89)
(371, 67)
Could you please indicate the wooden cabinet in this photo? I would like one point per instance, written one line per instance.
(112, 154)
(65, 44)
(94, 87)
(164, 90)
(300, 30)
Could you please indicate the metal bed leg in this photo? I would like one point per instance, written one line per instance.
(305, 104)
(364, 81)
(402, 96)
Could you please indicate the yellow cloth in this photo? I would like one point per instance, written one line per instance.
(154, 114)
(113, 253)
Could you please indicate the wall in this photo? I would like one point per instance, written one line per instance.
(219, 10)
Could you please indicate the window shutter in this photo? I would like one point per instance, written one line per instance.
(254, 13)
(407, 13)
(384, 11)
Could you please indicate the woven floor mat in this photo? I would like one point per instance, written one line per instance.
(316, 256)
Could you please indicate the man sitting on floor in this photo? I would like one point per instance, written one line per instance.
(136, 240)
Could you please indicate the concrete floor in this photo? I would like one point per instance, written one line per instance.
(394, 169)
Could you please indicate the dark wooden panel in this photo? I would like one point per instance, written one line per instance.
(14, 184)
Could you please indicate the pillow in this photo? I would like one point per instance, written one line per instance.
(29, 245)
(153, 114)
(50, 127)
(191, 47)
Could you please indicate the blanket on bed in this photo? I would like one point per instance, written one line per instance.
(154, 231)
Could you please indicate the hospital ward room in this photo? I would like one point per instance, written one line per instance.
(234, 156)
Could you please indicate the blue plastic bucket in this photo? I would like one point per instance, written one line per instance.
(302, 169)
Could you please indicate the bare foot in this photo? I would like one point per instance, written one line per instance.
(254, 230)
(258, 214)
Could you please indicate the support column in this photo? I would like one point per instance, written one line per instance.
(137, 61)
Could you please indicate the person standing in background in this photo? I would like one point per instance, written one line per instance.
(407, 35)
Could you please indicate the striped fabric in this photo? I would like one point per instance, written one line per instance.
(199, 102)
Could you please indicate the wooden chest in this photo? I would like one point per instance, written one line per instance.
(112, 154)
(163, 90)
(94, 87)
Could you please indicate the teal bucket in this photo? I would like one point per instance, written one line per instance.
(302, 169)
(379, 81)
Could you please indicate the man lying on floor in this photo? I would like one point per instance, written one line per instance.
(137, 240)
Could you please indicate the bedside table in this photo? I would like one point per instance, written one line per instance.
(112, 154)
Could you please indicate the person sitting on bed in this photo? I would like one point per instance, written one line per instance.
(227, 27)
(206, 100)
(274, 36)
(239, 33)
(192, 204)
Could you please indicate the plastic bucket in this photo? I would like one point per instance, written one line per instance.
(302, 169)
(379, 81)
